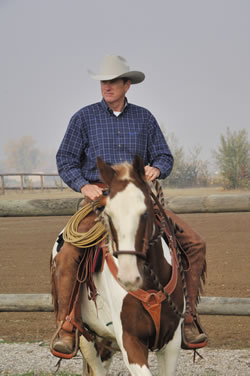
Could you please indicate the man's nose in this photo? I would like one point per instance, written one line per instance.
(107, 85)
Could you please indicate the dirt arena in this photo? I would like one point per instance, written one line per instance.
(25, 249)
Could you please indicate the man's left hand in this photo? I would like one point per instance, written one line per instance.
(151, 173)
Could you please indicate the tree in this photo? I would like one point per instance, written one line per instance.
(175, 177)
(187, 172)
(200, 168)
(233, 159)
(22, 155)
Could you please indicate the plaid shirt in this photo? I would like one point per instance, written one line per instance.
(95, 131)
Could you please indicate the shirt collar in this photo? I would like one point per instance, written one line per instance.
(106, 107)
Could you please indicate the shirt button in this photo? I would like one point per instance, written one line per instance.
(119, 145)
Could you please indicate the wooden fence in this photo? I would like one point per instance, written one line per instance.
(22, 180)
(42, 303)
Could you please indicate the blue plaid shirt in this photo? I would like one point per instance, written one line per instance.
(95, 131)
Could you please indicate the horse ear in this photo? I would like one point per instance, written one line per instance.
(106, 171)
(138, 166)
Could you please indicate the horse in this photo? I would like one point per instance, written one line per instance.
(140, 301)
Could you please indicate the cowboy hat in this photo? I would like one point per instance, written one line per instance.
(117, 67)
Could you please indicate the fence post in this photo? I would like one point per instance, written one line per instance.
(2, 184)
(41, 181)
(61, 184)
(22, 184)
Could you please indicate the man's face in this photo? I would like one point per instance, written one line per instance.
(114, 91)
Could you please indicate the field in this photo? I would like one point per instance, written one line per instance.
(25, 252)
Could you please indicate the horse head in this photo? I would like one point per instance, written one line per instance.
(129, 213)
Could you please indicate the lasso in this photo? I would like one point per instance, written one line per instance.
(86, 239)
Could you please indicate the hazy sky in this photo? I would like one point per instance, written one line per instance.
(195, 54)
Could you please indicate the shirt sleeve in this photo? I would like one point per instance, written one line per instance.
(159, 154)
(70, 154)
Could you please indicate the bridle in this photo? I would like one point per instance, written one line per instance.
(143, 254)
(147, 242)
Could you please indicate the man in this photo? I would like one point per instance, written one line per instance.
(116, 130)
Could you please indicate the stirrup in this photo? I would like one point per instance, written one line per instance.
(60, 354)
(193, 346)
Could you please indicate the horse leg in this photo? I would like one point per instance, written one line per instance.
(168, 356)
(135, 355)
(93, 361)
(97, 360)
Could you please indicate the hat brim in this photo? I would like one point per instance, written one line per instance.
(134, 76)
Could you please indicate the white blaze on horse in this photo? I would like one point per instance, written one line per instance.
(140, 301)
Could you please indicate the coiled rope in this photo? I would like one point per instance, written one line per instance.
(86, 239)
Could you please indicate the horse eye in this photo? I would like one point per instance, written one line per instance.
(144, 215)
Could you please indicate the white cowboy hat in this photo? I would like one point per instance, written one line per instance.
(117, 67)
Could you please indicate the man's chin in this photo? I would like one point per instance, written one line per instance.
(109, 98)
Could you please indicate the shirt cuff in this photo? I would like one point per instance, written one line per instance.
(159, 168)
(78, 184)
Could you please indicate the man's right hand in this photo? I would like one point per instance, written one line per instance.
(91, 191)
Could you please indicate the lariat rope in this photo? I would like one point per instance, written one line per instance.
(86, 239)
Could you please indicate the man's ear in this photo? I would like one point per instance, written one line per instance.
(128, 84)
(106, 172)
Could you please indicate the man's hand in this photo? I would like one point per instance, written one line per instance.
(91, 191)
(151, 173)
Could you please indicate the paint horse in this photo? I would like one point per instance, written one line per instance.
(140, 300)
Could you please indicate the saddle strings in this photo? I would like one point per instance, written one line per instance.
(160, 197)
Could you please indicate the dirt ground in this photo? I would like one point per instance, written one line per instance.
(25, 249)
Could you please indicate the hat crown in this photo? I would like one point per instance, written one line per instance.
(114, 65)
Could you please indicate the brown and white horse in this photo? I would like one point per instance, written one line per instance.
(120, 319)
